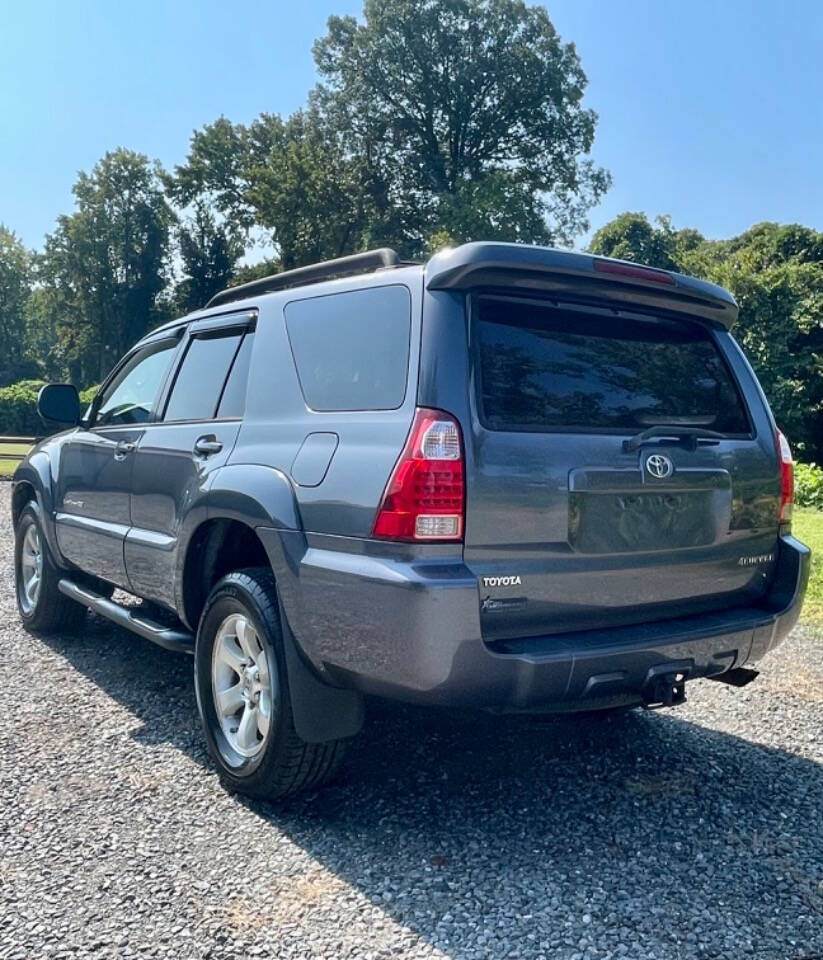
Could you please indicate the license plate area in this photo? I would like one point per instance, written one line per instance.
(620, 512)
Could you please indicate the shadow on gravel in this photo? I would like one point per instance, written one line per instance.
(666, 833)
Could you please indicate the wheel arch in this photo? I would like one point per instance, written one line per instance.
(221, 530)
(216, 547)
(33, 484)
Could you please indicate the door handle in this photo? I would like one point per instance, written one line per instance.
(123, 449)
(208, 445)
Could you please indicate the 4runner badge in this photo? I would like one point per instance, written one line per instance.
(501, 581)
(754, 561)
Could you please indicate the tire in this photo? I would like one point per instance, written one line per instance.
(255, 746)
(43, 609)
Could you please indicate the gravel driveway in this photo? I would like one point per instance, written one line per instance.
(696, 832)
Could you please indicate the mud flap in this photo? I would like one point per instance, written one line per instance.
(321, 712)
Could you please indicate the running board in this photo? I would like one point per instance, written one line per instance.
(177, 640)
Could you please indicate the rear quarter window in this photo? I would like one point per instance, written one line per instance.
(543, 368)
(351, 350)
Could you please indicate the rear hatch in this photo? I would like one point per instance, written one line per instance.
(614, 475)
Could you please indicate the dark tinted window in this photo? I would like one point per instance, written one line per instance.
(352, 349)
(201, 377)
(545, 369)
(233, 401)
(130, 396)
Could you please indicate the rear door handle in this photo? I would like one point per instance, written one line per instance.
(207, 445)
(123, 449)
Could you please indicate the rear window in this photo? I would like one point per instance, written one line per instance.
(543, 369)
(352, 349)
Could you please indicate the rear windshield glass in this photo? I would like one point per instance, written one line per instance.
(542, 368)
(352, 349)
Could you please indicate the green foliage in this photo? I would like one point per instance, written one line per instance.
(808, 485)
(209, 251)
(18, 409)
(470, 110)
(632, 237)
(447, 118)
(105, 267)
(807, 525)
(15, 282)
(87, 395)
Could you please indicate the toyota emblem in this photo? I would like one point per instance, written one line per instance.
(659, 466)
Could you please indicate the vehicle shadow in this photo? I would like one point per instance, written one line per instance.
(642, 834)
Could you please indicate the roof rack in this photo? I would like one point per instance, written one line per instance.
(314, 273)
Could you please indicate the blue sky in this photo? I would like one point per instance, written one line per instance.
(710, 111)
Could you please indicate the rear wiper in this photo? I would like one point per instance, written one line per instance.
(674, 431)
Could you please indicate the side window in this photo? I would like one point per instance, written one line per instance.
(130, 396)
(201, 376)
(351, 350)
(233, 401)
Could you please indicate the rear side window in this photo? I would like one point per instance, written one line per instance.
(351, 350)
(233, 401)
(543, 369)
(200, 380)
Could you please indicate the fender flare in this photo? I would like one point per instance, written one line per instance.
(36, 473)
(263, 498)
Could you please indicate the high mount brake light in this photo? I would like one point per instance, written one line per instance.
(635, 272)
(784, 452)
(425, 496)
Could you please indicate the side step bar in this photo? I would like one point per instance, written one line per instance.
(178, 640)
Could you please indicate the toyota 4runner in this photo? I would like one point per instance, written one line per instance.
(512, 478)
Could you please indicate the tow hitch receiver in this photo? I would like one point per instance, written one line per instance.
(738, 677)
(664, 690)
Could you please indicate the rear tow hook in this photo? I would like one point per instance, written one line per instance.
(738, 677)
(664, 690)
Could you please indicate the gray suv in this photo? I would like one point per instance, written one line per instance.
(511, 478)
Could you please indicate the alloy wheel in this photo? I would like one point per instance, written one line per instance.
(242, 686)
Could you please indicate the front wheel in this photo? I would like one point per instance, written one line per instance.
(43, 609)
(243, 693)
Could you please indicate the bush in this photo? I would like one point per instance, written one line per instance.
(18, 409)
(808, 485)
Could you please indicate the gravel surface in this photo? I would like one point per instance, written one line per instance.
(689, 833)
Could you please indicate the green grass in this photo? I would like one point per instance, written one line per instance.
(7, 467)
(21, 448)
(807, 525)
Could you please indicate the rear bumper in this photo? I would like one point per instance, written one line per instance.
(410, 630)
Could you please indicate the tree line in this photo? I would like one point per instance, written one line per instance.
(431, 123)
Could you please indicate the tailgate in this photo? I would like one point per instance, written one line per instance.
(570, 527)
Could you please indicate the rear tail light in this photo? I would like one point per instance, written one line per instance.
(424, 498)
(784, 452)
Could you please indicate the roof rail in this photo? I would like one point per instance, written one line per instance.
(314, 273)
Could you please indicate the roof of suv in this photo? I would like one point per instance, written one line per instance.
(514, 266)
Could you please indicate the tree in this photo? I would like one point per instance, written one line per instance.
(631, 236)
(209, 252)
(450, 97)
(435, 120)
(776, 275)
(15, 284)
(106, 264)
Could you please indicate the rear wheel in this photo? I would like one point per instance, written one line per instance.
(243, 693)
(43, 609)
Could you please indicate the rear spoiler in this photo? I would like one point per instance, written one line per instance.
(580, 277)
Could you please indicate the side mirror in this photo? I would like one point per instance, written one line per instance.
(59, 403)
